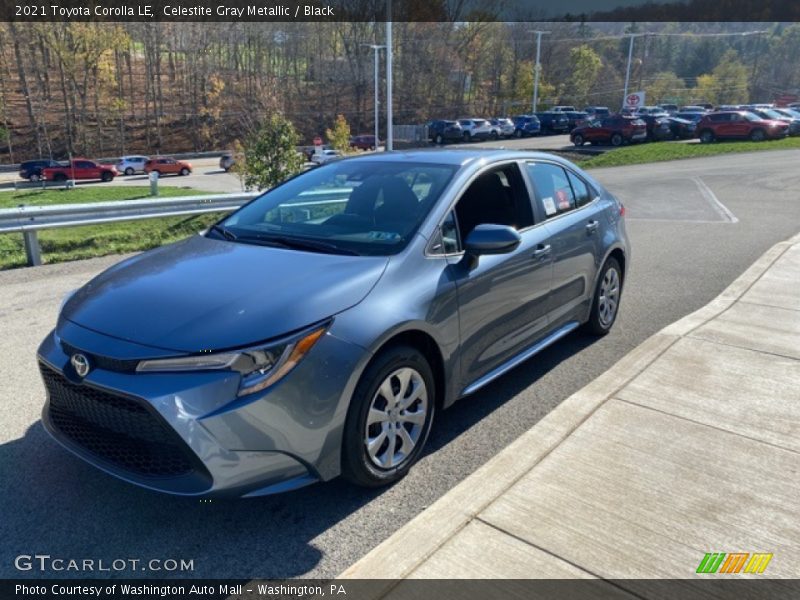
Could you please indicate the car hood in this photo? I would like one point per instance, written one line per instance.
(205, 294)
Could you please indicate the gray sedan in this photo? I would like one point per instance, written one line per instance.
(317, 330)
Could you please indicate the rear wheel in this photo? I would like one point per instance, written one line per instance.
(389, 418)
(578, 140)
(438, 139)
(706, 136)
(758, 135)
(605, 304)
(616, 139)
(518, 133)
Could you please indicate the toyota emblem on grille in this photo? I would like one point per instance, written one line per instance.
(81, 364)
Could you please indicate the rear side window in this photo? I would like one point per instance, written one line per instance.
(583, 193)
(552, 188)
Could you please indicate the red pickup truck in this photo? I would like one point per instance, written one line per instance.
(80, 168)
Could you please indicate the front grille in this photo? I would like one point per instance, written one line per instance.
(118, 430)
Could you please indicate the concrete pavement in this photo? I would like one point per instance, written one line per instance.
(688, 445)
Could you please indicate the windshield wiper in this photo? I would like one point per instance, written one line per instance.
(300, 244)
(227, 233)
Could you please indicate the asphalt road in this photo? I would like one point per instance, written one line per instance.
(694, 226)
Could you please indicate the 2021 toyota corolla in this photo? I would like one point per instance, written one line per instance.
(318, 329)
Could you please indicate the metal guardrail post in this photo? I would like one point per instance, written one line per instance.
(32, 251)
(153, 183)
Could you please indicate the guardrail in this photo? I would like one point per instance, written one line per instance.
(28, 220)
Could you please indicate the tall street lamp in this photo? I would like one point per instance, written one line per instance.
(376, 51)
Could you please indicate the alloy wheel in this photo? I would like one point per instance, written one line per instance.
(396, 418)
(608, 301)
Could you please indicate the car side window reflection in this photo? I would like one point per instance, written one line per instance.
(552, 187)
(583, 193)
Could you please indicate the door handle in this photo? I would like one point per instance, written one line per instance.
(541, 251)
(592, 226)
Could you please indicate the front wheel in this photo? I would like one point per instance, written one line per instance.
(605, 303)
(129, 171)
(438, 140)
(184, 171)
(757, 135)
(389, 418)
(34, 178)
(467, 136)
(518, 133)
(616, 139)
(106, 176)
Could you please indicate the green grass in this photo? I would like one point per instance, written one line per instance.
(73, 243)
(662, 151)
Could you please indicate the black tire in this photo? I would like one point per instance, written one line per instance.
(707, 136)
(438, 139)
(357, 466)
(59, 177)
(518, 133)
(467, 137)
(129, 171)
(494, 135)
(184, 172)
(578, 140)
(758, 135)
(597, 324)
(35, 177)
(106, 176)
(616, 139)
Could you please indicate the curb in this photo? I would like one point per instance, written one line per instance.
(400, 554)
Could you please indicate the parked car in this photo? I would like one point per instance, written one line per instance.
(365, 141)
(658, 128)
(324, 156)
(502, 127)
(164, 165)
(650, 110)
(789, 112)
(442, 131)
(739, 125)
(670, 109)
(290, 344)
(553, 122)
(475, 129)
(32, 169)
(80, 168)
(597, 111)
(226, 161)
(682, 129)
(575, 118)
(563, 109)
(526, 125)
(693, 108)
(130, 165)
(694, 117)
(776, 115)
(614, 130)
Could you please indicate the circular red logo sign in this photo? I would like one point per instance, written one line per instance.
(318, 141)
(633, 99)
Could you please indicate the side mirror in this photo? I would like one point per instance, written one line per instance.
(491, 239)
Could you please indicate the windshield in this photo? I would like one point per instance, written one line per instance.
(350, 207)
(773, 114)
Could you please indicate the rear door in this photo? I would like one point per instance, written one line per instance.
(575, 222)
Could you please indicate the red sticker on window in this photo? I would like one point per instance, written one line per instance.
(562, 200)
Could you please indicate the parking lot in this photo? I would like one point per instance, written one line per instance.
(694, 227)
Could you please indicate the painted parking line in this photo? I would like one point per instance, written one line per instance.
(714, 201)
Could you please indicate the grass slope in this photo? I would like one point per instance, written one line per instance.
(662, 151)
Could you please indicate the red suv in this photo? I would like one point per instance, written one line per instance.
(739, 124)
(615, 130)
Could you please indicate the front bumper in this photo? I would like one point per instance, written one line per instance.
(188, 433)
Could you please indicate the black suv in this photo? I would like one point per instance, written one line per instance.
(32, 169)
(441, 131)
(553, 122)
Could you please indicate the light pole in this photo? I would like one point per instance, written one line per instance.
(389, 127)
(537, 67)
(376, 50)
(628, 70)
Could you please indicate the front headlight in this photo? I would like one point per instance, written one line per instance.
(259, 367)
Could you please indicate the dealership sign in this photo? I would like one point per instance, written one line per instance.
(634, 100)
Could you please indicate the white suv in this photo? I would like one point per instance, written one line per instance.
(475, 129)
(128, 165)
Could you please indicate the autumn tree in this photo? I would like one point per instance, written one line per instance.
(586, 64)
(339, 136)
(666, 86)
(270, 155)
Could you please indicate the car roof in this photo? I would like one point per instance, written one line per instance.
(455, 156)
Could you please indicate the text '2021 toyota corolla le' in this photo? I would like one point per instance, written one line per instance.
(318, 329)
